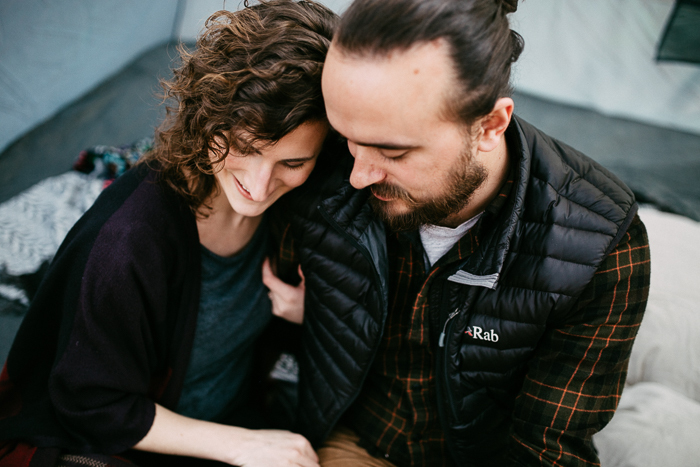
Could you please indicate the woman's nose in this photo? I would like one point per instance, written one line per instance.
(261, 181)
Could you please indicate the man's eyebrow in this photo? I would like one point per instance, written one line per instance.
(388, 146)
(382, 145)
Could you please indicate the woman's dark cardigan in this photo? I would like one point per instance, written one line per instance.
(111, 328)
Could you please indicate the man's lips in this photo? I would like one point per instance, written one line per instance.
(380, 197)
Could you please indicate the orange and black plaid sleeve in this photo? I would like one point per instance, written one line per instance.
(286, 260)
(573, 384)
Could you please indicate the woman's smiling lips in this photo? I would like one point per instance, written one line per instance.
(243, 190)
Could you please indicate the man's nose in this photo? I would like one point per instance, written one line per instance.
(366, 170)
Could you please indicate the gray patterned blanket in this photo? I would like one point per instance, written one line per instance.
(34, 223)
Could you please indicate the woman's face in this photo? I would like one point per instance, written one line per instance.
(252, 182)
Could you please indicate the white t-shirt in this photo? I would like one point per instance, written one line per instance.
(438, 240)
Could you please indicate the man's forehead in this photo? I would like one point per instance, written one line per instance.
(424, 68)
(406, 88)
(415, 52)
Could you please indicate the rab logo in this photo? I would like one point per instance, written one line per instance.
(478, 333)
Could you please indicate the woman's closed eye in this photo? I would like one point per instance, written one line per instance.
(294, 164)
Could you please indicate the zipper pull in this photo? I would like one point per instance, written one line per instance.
(441, 341)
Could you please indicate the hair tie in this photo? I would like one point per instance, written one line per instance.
(509, 6)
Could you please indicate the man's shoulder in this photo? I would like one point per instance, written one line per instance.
(571, 175)
(558, 161)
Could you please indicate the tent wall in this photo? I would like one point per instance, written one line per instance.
(52, 52)
(195, 12)
(600, 54)
(597, 54)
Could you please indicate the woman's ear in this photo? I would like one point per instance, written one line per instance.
(493, 125)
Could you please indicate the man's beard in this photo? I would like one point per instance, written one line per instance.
(462, 182)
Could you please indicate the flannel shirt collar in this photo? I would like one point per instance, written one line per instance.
(483, 266)
(495, 226)
(467, 244)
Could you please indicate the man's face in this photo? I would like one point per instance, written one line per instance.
(419, 165)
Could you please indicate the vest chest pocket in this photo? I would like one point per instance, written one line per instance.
(483, 343)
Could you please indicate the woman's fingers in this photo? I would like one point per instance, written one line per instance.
(287, 300)
(268, 277)
(301, 274)
(275, 284)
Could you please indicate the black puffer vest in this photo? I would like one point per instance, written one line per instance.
(566, 213)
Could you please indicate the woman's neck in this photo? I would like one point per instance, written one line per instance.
(224, 231)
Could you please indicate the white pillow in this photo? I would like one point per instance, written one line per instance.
(675, 252)
(654, 426)
(667, 348)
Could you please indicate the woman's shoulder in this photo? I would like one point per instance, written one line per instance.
(135, 210)
(139, 198)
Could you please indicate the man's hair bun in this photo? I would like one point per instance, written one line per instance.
(509, 6)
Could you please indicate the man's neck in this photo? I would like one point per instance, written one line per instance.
(497, 164)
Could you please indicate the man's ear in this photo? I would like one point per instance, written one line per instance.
(493, 125)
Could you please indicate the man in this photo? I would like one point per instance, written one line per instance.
(473, 286)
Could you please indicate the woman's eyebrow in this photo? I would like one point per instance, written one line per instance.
(300, 159)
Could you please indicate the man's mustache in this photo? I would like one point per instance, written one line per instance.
(387, 190)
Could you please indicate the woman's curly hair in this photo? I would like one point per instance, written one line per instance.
(253, 77)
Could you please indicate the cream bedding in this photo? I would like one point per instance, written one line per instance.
(658, 419)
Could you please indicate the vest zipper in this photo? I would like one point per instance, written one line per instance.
(445, 398)
(441, 341)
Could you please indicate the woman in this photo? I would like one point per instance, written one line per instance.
(141, 334)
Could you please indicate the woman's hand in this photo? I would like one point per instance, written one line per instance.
(178, 435)
(287, 300)
(275, 447)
